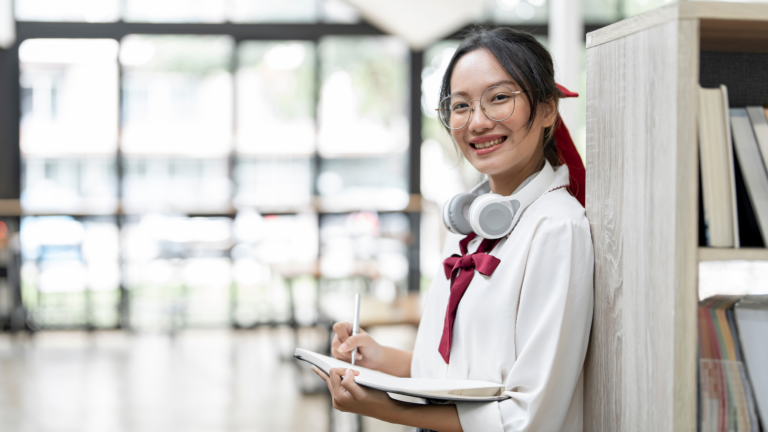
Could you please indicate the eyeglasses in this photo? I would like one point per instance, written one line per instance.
(497, 103)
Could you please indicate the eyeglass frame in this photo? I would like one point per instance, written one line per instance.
(472, 108)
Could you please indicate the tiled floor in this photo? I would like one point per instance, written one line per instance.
(198, 381)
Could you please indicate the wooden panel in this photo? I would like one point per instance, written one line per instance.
(686, 227)
(633, 187)
(729, 26)
(734, 35)
(723, 10)
(632, 25)
(726, 254)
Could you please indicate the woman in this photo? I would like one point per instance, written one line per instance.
(527, 324)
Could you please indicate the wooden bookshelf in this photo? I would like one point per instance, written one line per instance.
(642, 203)
(725, 254)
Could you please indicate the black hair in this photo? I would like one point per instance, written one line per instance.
(526, 61)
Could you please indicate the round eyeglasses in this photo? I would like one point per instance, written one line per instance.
(496, 102)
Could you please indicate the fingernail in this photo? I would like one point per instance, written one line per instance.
(349, 372)
(344, 347)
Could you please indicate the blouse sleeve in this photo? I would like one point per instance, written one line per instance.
(553, 324)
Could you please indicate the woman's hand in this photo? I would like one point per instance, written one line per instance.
(369, 353)
(348, 396)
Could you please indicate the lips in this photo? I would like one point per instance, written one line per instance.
(487, 141)
(486, 144)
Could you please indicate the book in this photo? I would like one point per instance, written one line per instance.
(717, 171)
(726, 401)
(751, 315)
(757, 116)
(442, 390)
(749, 232)
(752, 166)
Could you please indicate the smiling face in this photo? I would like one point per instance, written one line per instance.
(507, 151)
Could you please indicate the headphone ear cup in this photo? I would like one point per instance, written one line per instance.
(491, 218)
(455, 213)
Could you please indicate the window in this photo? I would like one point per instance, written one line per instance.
(210, 158)
(69, 124)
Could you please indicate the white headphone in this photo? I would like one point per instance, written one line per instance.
(491, 215)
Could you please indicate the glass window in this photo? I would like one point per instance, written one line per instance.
(275, 98)
(275, 254)
(70, 271)
(363, 251)
(177, 270)
(339, 11)
(69, 102)
(601, 11)
(71, 10)
(273, 184)
(362, 108)
(69, 184)
(177, 94)
(283, 11)
(69, 96)
(157, 184)
(207, 11)
(520, 12)
(379, 183)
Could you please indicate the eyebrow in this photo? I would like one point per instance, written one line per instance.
(494, 84)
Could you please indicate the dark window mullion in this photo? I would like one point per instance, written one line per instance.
(416, 65)
(231, 166)
(124, 303)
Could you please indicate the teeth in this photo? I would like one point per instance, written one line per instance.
(489, 143)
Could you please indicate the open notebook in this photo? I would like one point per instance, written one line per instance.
(432, 389)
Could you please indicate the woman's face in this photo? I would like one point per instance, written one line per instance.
(514, 148)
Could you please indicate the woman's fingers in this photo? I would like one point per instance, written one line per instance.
(346, 355)
(343, 330)
(335, 379)
(353, 342)
(351, 386)
(343, 342)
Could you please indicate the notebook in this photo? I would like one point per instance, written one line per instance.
(431, 389)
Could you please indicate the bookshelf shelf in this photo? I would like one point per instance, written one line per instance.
(730, 254)
(642, 202)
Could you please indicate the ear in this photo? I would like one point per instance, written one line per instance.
(548, 114)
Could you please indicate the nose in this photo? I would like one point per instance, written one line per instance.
(478, 121)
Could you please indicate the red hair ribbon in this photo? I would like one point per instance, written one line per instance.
(568, 154)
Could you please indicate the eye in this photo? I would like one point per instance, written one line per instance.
(501, 97)
(460, 106)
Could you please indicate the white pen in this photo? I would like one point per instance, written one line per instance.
(356, 324)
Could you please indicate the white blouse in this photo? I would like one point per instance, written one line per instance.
(527, 325)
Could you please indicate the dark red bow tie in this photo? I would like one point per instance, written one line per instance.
(461, 269)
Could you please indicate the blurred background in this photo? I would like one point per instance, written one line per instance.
(189, 189)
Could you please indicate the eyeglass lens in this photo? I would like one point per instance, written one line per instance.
(498, 103)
